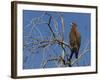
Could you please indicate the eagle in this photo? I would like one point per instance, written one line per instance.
(74, 41)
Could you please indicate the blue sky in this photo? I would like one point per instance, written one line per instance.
(32, 60)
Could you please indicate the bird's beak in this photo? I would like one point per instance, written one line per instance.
(71, 24)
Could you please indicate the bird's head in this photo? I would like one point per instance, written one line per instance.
(73, 24)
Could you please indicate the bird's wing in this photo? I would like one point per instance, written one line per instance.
(72, 38)
(78, 39)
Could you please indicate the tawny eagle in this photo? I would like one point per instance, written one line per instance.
(74, 40)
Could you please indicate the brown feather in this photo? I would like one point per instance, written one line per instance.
(74, 37)
(74, 40)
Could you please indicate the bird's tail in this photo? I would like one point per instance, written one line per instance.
(76, 55)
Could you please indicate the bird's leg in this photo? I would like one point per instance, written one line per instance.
(69, 60)
(71, 55)
(76, 55)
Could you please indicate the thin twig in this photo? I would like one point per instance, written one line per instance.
(62, 22)
(51, 59)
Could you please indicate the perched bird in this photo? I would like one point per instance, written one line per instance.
(74, 40)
